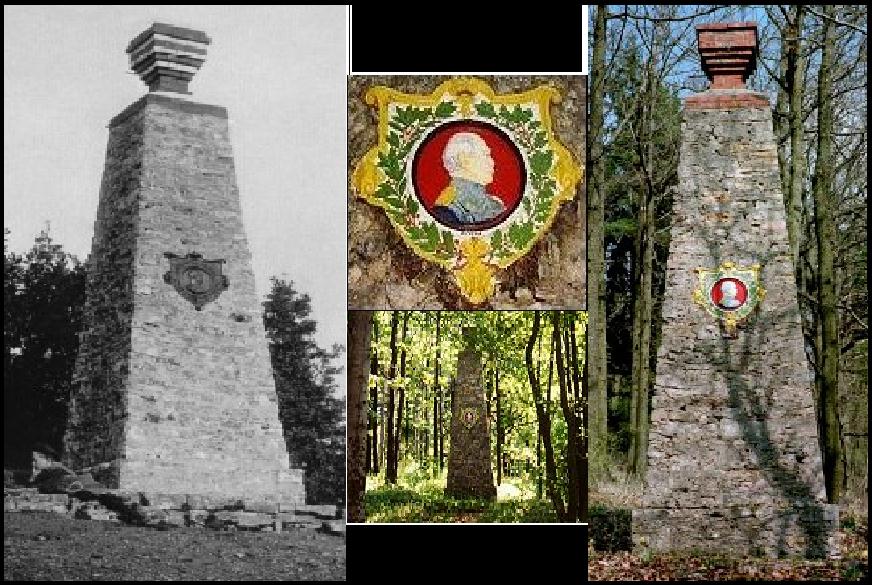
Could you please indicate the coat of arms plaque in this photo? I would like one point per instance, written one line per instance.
(729, 293)
(197, 280)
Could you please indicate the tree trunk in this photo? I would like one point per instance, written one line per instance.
(568, 415)
(596, 290)
(796, 64)
(381, 431)
(643, 279)
(359, 330)
(584, 443)
(544, 424)
(499, 425)
(390, 462)
(436, 392)
(441, 431)
(575, 376)
(402, 425)
(372, 438)
(539, 435)
(828, 297)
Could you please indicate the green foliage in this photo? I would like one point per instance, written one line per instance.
(407, 125)
(501, 338)
(631, 131)
(610, 528)
(418, 497)
(312, 417)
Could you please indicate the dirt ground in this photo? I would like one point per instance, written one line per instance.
(44, 546)
(609, 557)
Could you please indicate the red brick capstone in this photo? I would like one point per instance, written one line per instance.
(728, 52)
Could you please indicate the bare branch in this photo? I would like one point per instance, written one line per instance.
(835, 20)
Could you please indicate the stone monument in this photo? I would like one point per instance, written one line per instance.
(173, 390)
(733, 461)
(469, 461)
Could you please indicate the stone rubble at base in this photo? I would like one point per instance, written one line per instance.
(166, 511)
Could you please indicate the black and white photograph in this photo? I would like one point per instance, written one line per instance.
(174, 293)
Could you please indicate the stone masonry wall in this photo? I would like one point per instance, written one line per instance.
(384, 274)
(733, 462)
(198, 403)
(469, 460)
(95, 430)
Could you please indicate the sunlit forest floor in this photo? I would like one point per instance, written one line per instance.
(610, 545)
(420, 497)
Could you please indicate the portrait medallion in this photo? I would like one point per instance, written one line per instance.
(469, 179)
(469, 416)
(729, 293)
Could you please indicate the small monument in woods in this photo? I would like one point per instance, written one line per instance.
(173, 391)
(733, 460)
(469, 461)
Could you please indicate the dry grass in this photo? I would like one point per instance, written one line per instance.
(618, 490)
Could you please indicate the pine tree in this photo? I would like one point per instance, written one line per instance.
(311, 415)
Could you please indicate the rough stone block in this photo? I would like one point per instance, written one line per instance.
(469, 461)
(734, 463)
(172, 393)
(335, 527)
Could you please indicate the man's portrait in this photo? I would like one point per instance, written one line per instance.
(468, 175)
(468, 161)
(729, 293)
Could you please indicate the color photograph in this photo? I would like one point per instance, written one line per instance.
(728, 313)
(466, 192)
(463, 417)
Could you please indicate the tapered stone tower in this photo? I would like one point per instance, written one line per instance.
(733, 458)
(469, 461)
(174, 391)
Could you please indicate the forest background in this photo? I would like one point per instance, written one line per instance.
(644, 61)
(43, 301)
(402, 366)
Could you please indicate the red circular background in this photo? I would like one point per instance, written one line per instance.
(429, 176)
(741, 293)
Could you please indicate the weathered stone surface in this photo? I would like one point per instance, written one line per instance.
(167, 398)
(326, 511)
(94, 511)
(197, 518)
(262, 506)
(42, 460)
(384, 274)
(734, 463)
(854, 416)
(31, 500)
(135, 508)
(335, 527)
(469, 461)
(240, 520)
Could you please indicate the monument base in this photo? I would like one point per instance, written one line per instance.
(287, 486)
(483, 492)
(744, 530)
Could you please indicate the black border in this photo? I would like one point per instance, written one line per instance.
(467, 38)
(461, 553)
